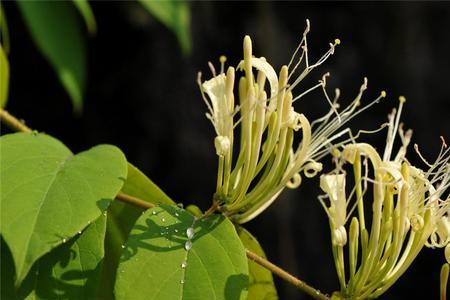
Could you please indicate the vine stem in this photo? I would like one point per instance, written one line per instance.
(12, 122)
(17, 125)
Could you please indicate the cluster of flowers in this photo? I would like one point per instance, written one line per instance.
(408, 205)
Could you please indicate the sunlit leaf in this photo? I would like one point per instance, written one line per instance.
(48, 194)
(121, 218)
(176, 15)
(56, 29)
(172, 255)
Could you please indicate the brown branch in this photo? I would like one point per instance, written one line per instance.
(17, 125)
(316, 294)
(12, 122)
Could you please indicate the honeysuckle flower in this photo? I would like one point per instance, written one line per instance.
(267, 160)
(408, 209)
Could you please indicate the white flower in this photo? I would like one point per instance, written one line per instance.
(267, 160)
(408, 211)
(334, 186)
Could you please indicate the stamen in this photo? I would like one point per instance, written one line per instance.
(222, 60)
(213, 70)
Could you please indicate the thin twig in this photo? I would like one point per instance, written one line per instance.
(17, 125)
(316, 294)
(12, 122)
(133, 200)
(211, 210)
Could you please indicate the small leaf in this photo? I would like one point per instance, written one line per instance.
(121, 218)
(176, 16)
(48, 194)
(86, 12)
(4, 78)
(139, 185)
(160, 261)
(261, 285)
(55, 28)
(194, 210)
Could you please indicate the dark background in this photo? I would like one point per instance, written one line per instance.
(142, 96)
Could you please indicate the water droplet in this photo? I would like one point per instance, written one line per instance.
(190, 233)
(104, 213)
(176, 214)
(188, 245)
(182, 281)
(162, 219)
(183, 265)
(176, 230)
(167, 228)
(79, 232)
(123, 246)
(64, 240)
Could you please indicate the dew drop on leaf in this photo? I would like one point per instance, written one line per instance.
(188, 245)
(190, 233)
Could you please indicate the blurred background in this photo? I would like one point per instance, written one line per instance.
(141, 95)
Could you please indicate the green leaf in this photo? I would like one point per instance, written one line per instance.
(159, 263)
(4, 78)
(70, 271)
(176, 15)
(4, 30)
(261, 285)
(48, 194)
(86, 12)
(56, 29)
(139, 185)
(121, 218)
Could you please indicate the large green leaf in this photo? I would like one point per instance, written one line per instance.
(70, 271)
(121, 218)
(4, 78)
(261, 285)
(55, 27)
(48, 195)
(172, 255)
(175, 14)
(85, 10)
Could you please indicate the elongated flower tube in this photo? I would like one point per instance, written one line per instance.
(408, 211)
(254, 170)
